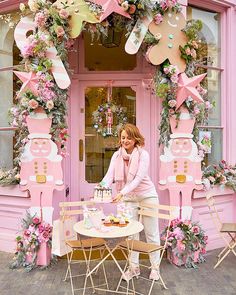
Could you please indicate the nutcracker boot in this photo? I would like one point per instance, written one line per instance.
(186, 212)
(48, 214)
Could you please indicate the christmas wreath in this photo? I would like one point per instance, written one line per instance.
(109, 118)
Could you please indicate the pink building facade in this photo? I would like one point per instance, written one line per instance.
(98, 71)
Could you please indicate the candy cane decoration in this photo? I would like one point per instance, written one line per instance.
(59, 72)
(135, 40)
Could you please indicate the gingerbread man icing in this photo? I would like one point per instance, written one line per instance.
(170, 37)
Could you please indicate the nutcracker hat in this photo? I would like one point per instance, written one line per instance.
(38, 124)
(183, 126)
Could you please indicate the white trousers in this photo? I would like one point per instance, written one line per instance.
(151, 230)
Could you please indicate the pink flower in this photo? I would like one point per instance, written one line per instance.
(158, 18)
(195, 230)
(180, 246)
(36, 220)
(27, 50)
(27, 233)
(174, 78)
(40, 19)
(63, 14)
(208, 105)
(166, 70)
(59, 31)
(33, 104)
(203, 251)
(188, 51)
(49, 105)
(132, 9)
(178, 233)
(172, 103)
(196, 110)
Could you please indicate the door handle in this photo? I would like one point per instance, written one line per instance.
(81, 150)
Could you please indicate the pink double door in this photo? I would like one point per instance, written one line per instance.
(91, 150)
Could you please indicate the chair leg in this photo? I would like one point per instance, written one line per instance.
(222, 258)
(69, 258)
(163, 284)
(103, 267)
(88, 271)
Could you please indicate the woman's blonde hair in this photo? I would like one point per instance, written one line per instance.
(134, 133)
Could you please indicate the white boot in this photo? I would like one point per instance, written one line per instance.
(47, 214)
(186, 212)
(176, 212)
(35, 211)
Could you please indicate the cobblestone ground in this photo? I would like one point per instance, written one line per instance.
(180, 281)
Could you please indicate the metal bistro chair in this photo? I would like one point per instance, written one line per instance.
(144, 247)
(222, 228)
(87, 246)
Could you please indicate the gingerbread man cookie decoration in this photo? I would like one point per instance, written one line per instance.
(170, 37)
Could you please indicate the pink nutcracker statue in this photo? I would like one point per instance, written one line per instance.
(109, 119)
(180, 170)
(41, 170)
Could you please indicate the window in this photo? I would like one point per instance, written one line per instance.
(109, 56)
(9, 55)
(211, 62)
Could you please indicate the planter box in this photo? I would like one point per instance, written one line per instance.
(43, 255)
(181, 259)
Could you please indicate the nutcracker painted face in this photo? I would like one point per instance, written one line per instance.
(40, 147)
(181, 147)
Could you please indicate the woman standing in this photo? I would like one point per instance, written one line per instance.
(129, 170)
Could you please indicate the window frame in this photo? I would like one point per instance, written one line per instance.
(222, 10)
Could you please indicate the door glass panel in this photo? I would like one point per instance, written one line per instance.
(99, 149)
(99, 57)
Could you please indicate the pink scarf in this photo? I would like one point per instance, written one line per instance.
(133, 162)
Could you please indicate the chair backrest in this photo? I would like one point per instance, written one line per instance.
(156, 210)
(213, 211)
(69, 209)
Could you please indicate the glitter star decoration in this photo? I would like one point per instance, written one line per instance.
(187, 87)
(30, 82)
(110, 6)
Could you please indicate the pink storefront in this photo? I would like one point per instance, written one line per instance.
(102, 67)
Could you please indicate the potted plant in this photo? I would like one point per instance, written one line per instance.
(186, 242)
(34, 243)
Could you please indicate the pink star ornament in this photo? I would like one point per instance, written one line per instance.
(187, 87)
(110, 6)
(30, 82)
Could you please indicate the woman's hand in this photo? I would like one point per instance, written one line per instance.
(117, 198)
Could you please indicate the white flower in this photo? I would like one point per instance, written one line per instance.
(22, 7)
(33, 5)
(125, 5)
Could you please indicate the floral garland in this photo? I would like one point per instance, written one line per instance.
(99, 119)
(52, 26)
(223, 175)
(183, 240)
(166, 84)
(34, 233)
